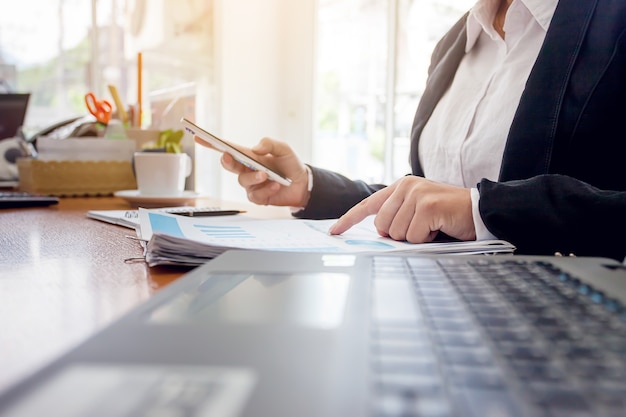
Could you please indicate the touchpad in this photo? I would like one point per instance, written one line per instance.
(306, 299)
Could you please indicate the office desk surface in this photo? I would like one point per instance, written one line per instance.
(64, 276)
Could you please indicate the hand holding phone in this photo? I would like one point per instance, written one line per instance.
(241, 156)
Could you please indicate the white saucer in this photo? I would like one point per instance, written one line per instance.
(138, 200)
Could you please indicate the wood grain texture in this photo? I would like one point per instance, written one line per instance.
(64, 276)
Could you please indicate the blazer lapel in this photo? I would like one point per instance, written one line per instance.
(444, 68)
(528, 151)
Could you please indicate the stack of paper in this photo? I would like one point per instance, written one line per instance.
(177, 240)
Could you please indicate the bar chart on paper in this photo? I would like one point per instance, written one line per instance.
(224, 232)
(188, 240)
(243, 233)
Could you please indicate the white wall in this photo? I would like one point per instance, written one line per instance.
(264, 54)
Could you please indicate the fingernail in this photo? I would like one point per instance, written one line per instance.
(332, 228)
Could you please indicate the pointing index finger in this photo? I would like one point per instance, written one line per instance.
(358, 213)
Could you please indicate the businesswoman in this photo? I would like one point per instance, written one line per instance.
(519, 135)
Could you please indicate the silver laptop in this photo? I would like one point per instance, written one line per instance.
(275, 334)
(13, 107)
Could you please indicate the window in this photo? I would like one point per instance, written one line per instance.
(372, 60)
(60, 49)
(45, 50)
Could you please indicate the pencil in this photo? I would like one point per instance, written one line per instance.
(121, 111)
(139, 88)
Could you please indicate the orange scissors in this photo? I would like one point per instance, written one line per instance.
(101, 109)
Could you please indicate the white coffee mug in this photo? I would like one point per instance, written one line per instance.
(161, 173)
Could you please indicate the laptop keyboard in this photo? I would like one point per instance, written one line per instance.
(488, 337)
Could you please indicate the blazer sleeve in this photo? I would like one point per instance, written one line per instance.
(555, 213)
(333, 194)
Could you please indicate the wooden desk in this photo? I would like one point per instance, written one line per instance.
(64, 276)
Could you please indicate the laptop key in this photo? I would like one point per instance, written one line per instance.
(459, 339)
(476, 402)
(611, 397)
(392, 404)
(525, 351)
(558, 397)
(468, 357)
(532, 371)
(405, 364)
(401, 347)
(415, 384)
(478, 377)
(431, 407)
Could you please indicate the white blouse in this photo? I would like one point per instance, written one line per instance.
(464, 138)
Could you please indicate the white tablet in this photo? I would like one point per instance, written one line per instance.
(240, 155)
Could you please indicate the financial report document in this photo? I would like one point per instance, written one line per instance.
(173, 239)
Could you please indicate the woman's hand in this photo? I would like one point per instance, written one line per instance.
(259, 188)
(415, 209)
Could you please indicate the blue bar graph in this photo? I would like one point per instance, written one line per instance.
(224, 232)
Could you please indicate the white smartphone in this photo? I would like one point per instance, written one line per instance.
(240, 155)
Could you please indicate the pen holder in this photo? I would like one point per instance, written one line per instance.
(74, 178)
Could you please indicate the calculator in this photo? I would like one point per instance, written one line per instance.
(15, 199)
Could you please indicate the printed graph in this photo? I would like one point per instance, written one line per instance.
(224, 232)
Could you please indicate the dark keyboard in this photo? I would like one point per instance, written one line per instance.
(15, 199)
(488, 337)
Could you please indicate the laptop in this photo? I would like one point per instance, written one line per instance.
(276, 334)
(13, 108)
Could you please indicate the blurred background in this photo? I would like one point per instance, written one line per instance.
(339, 80)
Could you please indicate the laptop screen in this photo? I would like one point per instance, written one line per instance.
(12, 113)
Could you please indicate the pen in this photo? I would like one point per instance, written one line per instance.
(199, 213)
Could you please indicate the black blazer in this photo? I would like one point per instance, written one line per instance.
(566, 147)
